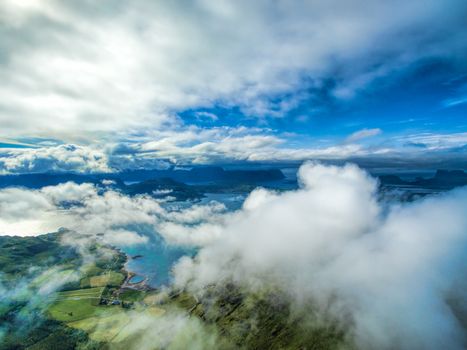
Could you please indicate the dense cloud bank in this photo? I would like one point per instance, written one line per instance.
(67, 68)
(62, 158)
(93, 210)
(392, 274)
(192, 145)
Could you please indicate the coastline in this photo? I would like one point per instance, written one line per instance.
(127, 284)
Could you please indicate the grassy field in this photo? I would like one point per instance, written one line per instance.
(79, 310)
(132, 295)
(110, 279)
(30, 269)
(76, 304)
(104, 327)
(112, 326)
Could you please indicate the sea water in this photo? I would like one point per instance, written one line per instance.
(154, 259)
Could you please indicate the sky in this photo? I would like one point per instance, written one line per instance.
(103, 86)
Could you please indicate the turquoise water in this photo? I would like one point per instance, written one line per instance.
(158, 257)
(136, 279)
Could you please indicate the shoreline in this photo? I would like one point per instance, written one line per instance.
(127, 285)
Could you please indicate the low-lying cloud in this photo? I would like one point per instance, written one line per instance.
(62, 158)
(30, 296)
(93, 211)
(394, 272)
(195, 145)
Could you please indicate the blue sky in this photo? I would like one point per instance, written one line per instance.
(426, 97)
(146, 84)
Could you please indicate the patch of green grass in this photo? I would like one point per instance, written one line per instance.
(104, 327)
(184, 300)
(76, 304)
(131, 295)
(56, 274)
(108, 279)
(92, 270)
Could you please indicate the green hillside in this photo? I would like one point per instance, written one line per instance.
(92, 308)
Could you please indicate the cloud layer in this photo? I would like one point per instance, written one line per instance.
(63, 158)
(394, 275)
(72, 70)
(92, 211)
(194, 145)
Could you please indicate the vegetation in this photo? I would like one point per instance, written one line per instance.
(18, 255)
(32, 315)
(95, 310)
(105, 326)
(106, 279)
(76, 304)
(262, 320)
(132, 295)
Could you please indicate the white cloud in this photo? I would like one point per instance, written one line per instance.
(173, 329)
(95, 212)
(206, 116)
(363, 134)
(200, 145)
(63, 158)
(433, 141)
(455, 101)
(394, 269)
(391, 269)
(72, 70)
(195, 145)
